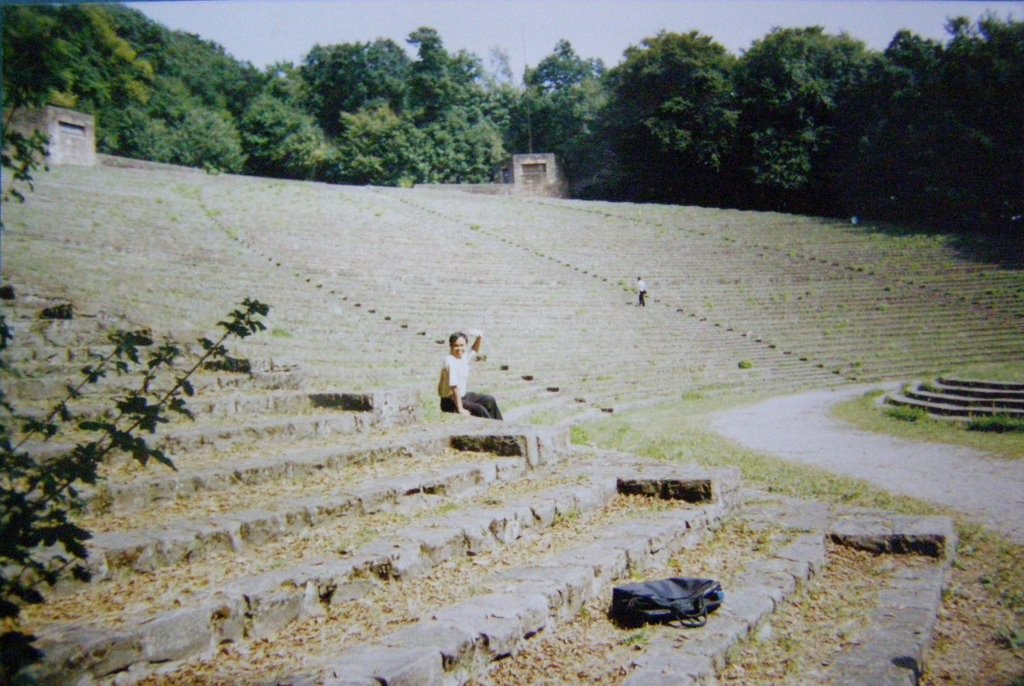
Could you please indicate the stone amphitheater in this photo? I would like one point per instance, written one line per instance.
(327, 525)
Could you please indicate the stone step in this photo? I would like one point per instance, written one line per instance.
(261, 606)
(228, 433)
(515, 604)
(191, 540)
(53, 384)
(950, 396)
(891, 653)
(462, 642)
(942, 409)
(762, 587)
(982, 389)
(670, 655)
(201, 474)
(342, 487)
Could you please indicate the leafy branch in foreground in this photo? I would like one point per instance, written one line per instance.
(22, 155)
(39, 541)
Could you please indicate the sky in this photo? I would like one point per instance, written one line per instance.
(263, 32)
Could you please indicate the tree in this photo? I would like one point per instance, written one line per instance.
(377, 147)
(671, 118)
(439, 81)
(211, 76)
(37, 59)
(352, 76)
(792, 86)
(941, 138)
(281, 140)
(461, 146)
(984, 67)
(205, 138)
(884, 170)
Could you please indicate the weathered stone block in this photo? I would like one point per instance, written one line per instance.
(176, 545)
(176, 635)
(552, 445)
(688, 490)
(931, 536)
(382, 664)
(883, 533)
(777, 582)
(607, 564)
(499, 444)
(73, 652)
(350, 402)
(713, 641)
(807, 548)
(663, 664)
(749, 604)
(509, 470)
(394, 559)
(343, 424)
(456, 645)
(566, 587)
(500, 620)
(397, 407)
(213, 535)
(476, 527)
(787, 572)
(353, 589)
(227, 617)
(125, 550)
(544, 512)
(268, 613)
(635, 549)
(438, 543)
(873, 535)
(595, 496)
(505, 528)
(256, 527)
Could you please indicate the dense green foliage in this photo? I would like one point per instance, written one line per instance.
(802, 121)
(672, 108)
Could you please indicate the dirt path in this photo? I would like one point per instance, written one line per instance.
(798, 428)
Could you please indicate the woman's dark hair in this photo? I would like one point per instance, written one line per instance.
(456, 336)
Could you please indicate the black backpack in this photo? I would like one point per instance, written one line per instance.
(658, 602)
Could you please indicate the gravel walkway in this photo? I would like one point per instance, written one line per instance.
(798, 428)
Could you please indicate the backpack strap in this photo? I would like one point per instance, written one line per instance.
(688, 617)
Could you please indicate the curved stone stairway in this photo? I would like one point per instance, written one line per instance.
(962, 399)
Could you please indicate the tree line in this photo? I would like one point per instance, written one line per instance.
(924, 132)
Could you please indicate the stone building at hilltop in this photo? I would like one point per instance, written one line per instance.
(538, 174)
(72, 134)
(528, 174)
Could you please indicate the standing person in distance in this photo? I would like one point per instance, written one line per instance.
(453, 386)
(641, 288)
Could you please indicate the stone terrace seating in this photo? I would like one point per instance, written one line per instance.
(367, 284)
(323, 528)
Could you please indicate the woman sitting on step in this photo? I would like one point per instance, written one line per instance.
(454, 381)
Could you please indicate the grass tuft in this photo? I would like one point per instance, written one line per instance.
(996, 424)
(904, 413)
